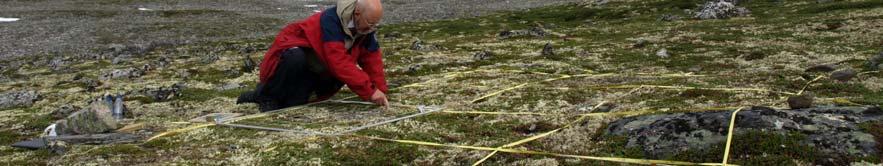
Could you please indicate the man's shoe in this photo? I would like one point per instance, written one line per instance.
(268, 105)
(247, 97)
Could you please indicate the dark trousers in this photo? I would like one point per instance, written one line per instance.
(293, 83)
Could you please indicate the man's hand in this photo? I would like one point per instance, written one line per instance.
(379, 98)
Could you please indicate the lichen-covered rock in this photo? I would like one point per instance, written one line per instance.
(18, 99)
(64, 111)
(483, 55)
(533, 31)
(874, 62)
(843, 75)
(720, 10)
(548, 50)
(165, 93)
(248, 64)
(93, 120)
(669, 17)
(800, 101)
(641, 43)
(419, 45)
(832, 130)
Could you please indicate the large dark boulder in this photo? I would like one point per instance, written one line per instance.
(831, 130)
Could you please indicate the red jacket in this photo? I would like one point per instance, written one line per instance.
(323, 33)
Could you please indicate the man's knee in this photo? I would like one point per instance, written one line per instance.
(293, 57)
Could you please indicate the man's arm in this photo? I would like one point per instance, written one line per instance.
(372, 64)
(342, 67)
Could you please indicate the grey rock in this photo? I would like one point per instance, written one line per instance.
(800, 101)
(414, 68)
(248, 64)
(535, 31)
(483, 55)
(247, 49)
(127, 73)
(663, 53)
(59, 63)
(821, 68)
(89, 84)
(229, 86)
(669, 17)
(97, 118)
(832, 130)
(641, 43)
(548, 50)
(24, 98)
(419, 45)
(210, 58)
(720, 10)
(843, 75)
(874, 62)
(64, 111)
(163, 93)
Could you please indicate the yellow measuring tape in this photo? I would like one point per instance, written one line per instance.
(564, 76)
(730, 136)
(518, 151)
(180, 130)
(680, 87)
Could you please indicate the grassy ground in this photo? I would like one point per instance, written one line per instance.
(767, 50)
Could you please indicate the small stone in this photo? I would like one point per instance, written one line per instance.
(810, 128)
(843, 75)
(641, 43)
(800, 101)
(248, 64)
(483, 55)
(163, 93)
(64, 111)
(720, 10)
(89, 84)
(414, 68)
(59, 63)
(211, 58)
(127, 73)
(669, 17)
(18, 99)
(229, 86)
(821, 68)
(417, 45)
(874, 62)
(548, 50)
(662, 53)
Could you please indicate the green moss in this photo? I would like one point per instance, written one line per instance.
(757, 148)
(876, 129)
(162, 143)
(372, 153)
(115, 150)
(197, 94)
(8, 137)
(841, 5)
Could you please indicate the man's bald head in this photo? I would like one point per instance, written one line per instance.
(367, 15)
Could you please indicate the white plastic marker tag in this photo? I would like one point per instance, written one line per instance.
(50, 131)
(3, 19)
(424, 108)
